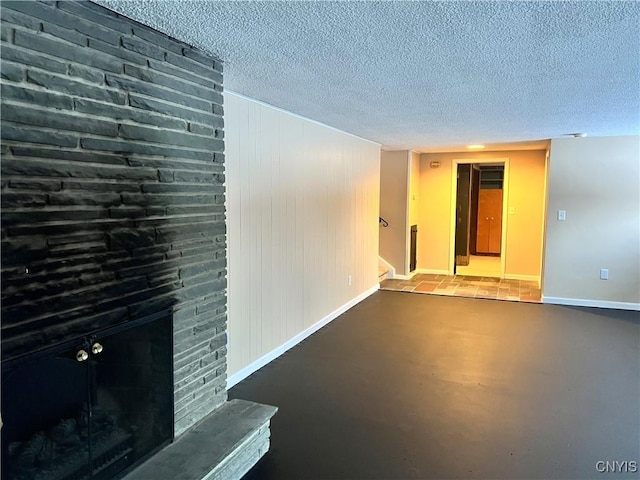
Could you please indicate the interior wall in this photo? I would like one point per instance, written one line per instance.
(434, 215)
(394, 192)
(414, 188)
(525, 211)
(525, 214)
(413, 201)
(595, 180)
(303, 205)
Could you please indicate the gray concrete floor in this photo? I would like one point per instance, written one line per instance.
(419, 386)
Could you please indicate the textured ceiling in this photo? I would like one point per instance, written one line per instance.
(427, 75)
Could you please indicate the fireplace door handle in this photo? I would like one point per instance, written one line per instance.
(96, 348)
(82, 355)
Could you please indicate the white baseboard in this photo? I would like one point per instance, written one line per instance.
(580, 302)
(276, 352)
(432, 271)
(528, 278)
(405, 277)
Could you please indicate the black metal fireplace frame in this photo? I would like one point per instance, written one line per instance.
(83, 341)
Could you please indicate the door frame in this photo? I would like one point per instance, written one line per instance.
(505, 213)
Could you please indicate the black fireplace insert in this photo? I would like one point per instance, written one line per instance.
(90, 408)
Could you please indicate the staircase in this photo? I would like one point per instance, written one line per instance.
(382, 273)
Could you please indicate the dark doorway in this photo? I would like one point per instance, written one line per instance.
(413, 253)
(479, 200)
(463, 199)
(473, 223)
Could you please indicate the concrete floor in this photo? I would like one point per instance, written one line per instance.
(418, 386)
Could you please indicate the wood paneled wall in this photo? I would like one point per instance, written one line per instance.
(302, 211)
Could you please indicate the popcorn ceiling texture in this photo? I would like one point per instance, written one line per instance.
(424, 74)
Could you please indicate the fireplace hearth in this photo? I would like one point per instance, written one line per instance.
(91, 408)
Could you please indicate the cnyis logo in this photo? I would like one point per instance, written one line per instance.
(616, 466)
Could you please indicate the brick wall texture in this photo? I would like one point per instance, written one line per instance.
(112, 188)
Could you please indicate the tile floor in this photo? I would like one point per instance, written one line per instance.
(467, 286)
(481, 266)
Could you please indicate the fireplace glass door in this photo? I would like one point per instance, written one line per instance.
(89, 409)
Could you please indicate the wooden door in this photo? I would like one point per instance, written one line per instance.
(495, 230)
(484, 220)
(489, 234)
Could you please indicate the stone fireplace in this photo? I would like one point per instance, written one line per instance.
(113, 196)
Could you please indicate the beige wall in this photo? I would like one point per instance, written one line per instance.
(525, 221)
(394, 183)
(414, 189)
(434, 214)
(524, 227)
(413, 202)
(302, 209)
(596, 181)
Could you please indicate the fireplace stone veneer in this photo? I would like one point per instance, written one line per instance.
(113, 191)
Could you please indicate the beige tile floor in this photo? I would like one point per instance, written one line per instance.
(467, 286)
(481, 266)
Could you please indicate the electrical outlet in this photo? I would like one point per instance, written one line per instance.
(349, 280)
(604, 274)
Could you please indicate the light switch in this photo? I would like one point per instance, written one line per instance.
(562, 215)
(512, 211)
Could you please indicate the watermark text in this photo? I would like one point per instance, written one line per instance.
(617, 466)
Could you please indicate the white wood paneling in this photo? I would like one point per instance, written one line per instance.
(302, 209)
